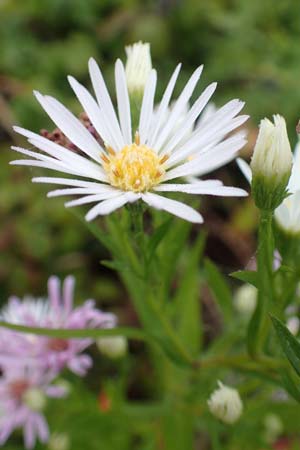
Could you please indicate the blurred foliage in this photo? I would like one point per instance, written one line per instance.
(252, 49)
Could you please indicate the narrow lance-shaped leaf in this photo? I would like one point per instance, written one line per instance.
(247, 276)
(289, 344)
(220, 289)
(187, 300)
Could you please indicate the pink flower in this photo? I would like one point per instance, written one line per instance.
(23, 395)
(55, 312)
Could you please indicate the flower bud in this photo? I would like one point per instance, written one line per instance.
(293, 325)
(273, 428)
(35, 399)
(271, 164)
(59, 441)
(138, 67)
(113, 346)
(245, 299)
(225, 404)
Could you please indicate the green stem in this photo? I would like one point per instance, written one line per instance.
(76, 333)
(260, 322)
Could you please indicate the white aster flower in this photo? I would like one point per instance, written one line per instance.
(138, 66)
(287, 214)
(225, 404)
(127, 168)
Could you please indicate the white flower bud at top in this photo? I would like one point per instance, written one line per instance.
(113, 346)
(245, 299)
(225, 404)
(138, 67)
(35, 399)
(271, 163)
(59, 441)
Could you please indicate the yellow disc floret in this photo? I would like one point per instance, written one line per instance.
(135, 168)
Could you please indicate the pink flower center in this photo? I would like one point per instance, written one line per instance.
(58, 345)
(18, 388)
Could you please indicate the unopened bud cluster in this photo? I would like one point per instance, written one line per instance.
(225, 404)
(138, 67)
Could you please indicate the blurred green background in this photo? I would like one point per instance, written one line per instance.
(250, 47)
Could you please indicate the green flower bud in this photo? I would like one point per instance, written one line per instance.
(35, 399)
(114, 347)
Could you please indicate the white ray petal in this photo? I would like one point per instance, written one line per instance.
(204, 140)
(69, 182)
(245, 169)
(190, 118)
(163, 107)
(78, 163)
(83, 169)
(172, 206)
(147, 107)
(62, 153)
(46, 165)
(96, 115)
(70, 126)
(110, 205)
(91, 199)
(226, 191)
(184, 187)
(218, 156)
(179, 106)
(81, 191)
(123, 102)
(104, 99)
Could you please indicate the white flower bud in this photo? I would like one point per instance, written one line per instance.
(138, 67)
(273, 428)
(113, 346)
(59, 441)
(225, 404)
(271, 164)
(245, 299)
(35, 399)
(293, 325)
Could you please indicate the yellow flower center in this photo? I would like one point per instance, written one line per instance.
(135, 168)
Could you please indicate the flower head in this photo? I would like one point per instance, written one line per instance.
(23, 394)
(225, 404)
(138, 67)
(142, 163)
(271, 164)
(55, 312)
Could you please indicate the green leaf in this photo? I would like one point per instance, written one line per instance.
(187, 300)
(70, 333)
(290, 386)
(247, 276)
(115, 265)
(220, 289)
(289, 344)
(255, 328)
